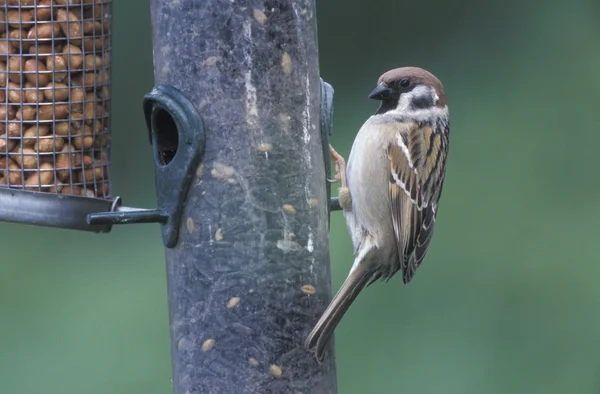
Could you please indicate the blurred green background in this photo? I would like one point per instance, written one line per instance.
(507, 300)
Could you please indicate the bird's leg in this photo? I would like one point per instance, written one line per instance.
(340, 166)
(344, 197)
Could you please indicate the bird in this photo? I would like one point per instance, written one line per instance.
(390, 188)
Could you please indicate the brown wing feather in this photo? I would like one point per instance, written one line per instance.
(403, 191)
(417, 165)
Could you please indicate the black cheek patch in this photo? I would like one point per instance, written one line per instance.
(422, 102)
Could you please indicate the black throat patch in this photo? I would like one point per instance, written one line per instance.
(387, 105)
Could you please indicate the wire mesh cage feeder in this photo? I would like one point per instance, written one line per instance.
(55, 80)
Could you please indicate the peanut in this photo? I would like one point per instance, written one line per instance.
(84, 140)
(44, 30)
(18, 17)
(94, 27)
(6, 49)
(74, 57)
(30, 136)
(43, 11)
(27, 112)
(7, 112)
(58, 65)
(49, 144)
(6, 144)
(76, 120)
(92, 12)
(92, 62)
(77, 98)
(26, 158)
(33, 95)
(41, 49)
(90, 44)
(93, 174)
(71, 190)
(3, 74)
(15, 68)
(14, 93)
(73, 29)
(11, 171)
(53, 111)
(16, 39)
(56, 91)
(62, 128)
(42, 178)
(14, 129)
(35, 72)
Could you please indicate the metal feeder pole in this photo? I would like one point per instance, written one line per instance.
(248, 269)
(239, 122)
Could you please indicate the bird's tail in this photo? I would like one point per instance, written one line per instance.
(319, 337)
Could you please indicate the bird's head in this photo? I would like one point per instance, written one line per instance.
(409, 90)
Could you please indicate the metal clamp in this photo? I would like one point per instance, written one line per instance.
(177, 136)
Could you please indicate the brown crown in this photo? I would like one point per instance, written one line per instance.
(419, 77)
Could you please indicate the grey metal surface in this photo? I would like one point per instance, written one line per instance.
(249, 275)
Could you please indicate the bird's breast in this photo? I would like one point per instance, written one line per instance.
(368, 177)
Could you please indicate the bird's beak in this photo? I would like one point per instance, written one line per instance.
(381, 93)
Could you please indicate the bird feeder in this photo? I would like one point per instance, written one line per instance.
(55, 79)
(239, 123)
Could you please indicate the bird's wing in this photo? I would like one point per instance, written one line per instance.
(417, 166)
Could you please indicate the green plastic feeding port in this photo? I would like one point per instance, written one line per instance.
(177, 136)
(55, 117)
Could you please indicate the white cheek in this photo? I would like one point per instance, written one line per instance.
(404, 102)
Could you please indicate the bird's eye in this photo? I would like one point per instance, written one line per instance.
(404, 82)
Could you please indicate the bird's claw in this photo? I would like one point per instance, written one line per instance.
(340, 167)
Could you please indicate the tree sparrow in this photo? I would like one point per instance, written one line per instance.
(391, 187)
